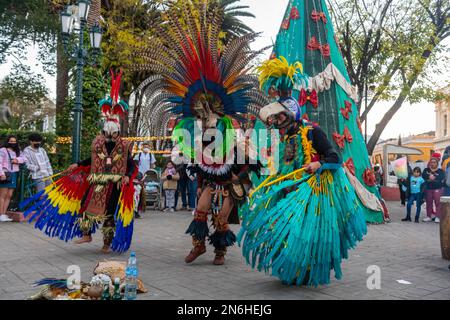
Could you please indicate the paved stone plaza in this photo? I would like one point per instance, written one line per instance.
(403, 251)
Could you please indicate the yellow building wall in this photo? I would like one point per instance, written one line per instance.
(426, 148)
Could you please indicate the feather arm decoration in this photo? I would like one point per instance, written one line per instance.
(56, 209)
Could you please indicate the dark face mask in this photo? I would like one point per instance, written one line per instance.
(36, 144)
(12, 145)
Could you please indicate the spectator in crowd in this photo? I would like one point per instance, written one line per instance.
(170, 179)
(415, 187)
(145, 160)
(401, 186)
(38, 162)
(10, 158)
(434, 182)
(192, 188)
(182, 183)
(378, 177)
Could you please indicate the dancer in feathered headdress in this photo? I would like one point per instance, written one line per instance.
(206, 86)
(95, 190)
(301, 221)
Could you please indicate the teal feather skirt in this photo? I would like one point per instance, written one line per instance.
(299, 230)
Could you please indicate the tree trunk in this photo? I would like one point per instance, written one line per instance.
(136, 113)
(62, 85)
(379, 128)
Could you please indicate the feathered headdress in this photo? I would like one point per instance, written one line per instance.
(195, 76)
(279, 74)
(113, 108)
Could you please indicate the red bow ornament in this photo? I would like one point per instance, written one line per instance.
(348, 135)
(310, 96)
(339, 139)
(313, 44)
(350, 165)
(358, 121)
(286, 23)
(294, 14)
(316, 16)
(369, 177)
(347, 110)
(325, 50)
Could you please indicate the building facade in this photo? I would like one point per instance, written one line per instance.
(442, 139)
(423, 142)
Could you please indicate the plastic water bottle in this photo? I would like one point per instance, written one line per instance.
(131, 274)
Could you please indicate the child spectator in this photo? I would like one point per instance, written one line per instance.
(139, 195)
(415, 187)
(170, 185)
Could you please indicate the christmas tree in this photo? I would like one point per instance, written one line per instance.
(307, 36)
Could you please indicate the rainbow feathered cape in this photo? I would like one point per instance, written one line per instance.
(58, 210)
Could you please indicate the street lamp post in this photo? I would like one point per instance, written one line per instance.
(77, 15)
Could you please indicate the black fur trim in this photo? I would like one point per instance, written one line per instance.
(222, 239)
(199, 229)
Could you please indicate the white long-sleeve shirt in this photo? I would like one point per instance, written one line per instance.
(38, 162)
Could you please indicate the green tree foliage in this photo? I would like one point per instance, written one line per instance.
(26, 94)
(232, 25)
(25, 22)
(127, 24)
(393, 48)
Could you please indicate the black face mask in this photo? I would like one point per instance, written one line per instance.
(37, 145)
(12, 145)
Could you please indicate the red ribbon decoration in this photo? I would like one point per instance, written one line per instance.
(350, 165)
(348, 135)
(348, 109)
(339, 139)
(313, 44)
(325, 50)
(348, 105)
(286, 23)
(294, 14)
(310, 96)
(316, 16)
(369, 177)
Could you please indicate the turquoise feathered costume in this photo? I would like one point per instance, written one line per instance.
(301, 226)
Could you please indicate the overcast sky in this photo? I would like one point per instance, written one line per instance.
(410, 119)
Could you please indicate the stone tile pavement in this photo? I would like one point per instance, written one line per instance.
(402, 251)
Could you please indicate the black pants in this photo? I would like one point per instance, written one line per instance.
(402, 195)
